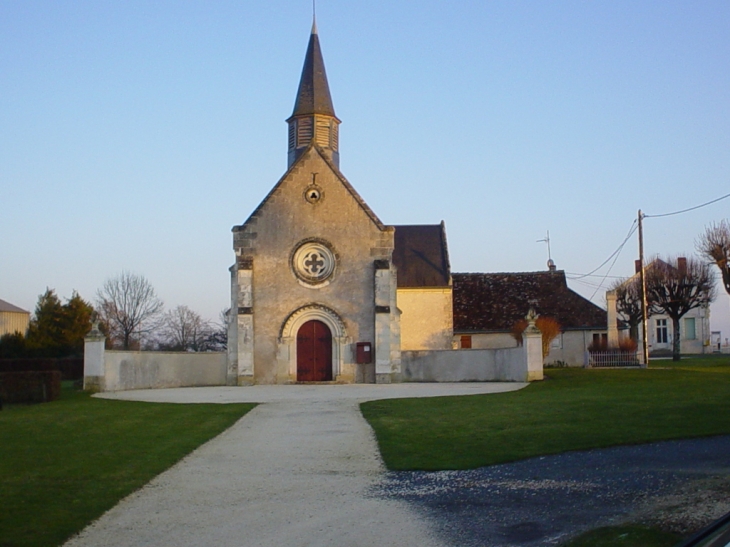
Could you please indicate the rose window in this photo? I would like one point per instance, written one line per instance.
(313, 262)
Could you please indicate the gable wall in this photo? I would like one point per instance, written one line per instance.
(269, 239)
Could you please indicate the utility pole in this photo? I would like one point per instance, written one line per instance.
(644, 311)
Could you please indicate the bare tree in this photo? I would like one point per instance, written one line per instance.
(628, 303)
(217, 340)
(675, 287)
(715, 245)
(128, 306)
(185, 330)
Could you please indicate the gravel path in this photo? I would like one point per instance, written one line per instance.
(680, 486)
(299, 470)
(303, 469)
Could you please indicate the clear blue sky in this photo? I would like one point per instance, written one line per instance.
(133, 135)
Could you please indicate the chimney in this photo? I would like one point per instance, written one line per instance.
(637, 266)
(682, 265)
(551, 265)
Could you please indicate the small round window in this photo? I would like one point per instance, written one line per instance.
(313, 194)
(313, 262)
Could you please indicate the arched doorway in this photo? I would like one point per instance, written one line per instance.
(314, 352)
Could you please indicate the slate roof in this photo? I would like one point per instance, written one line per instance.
(313, 96)
(422, 256)
(8, 307)
(494, 302)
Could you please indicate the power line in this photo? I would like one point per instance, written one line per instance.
(632, 229)
(690, 209)
(569, 274)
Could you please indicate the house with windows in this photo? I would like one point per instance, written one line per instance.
(694, 329)
(488, 305)
(13, 319)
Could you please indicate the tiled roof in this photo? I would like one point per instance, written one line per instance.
(313, 96)
(422, 256)
(487, 302)
(7, 306)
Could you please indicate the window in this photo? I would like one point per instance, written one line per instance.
(466, 342)
(313, 262)
(661, 331)
(689, 329)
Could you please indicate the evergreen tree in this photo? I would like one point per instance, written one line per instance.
(56, 329)
(45, 338)
(76, 323)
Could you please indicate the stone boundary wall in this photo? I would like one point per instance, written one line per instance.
(466, 365)
(107, 370)
(153, 370)
(122, 370)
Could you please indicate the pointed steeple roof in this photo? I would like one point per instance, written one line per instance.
(313, 96)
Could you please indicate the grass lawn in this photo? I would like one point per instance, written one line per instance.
(573, 409)
(625, 536)
(62, 464)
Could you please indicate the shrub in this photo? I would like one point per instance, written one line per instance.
(628, 344)
(30, 387)
(548, 327)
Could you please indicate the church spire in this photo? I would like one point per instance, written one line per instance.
(313, 119)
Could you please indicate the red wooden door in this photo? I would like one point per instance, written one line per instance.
(314, 352)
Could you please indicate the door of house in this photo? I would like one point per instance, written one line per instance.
(314, 352)
(662, 335)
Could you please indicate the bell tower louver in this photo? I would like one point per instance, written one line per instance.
(313, 119)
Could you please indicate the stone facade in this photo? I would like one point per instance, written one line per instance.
(272, 298)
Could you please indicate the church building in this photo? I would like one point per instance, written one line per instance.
(321, 289)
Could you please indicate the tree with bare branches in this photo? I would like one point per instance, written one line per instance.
(129, 307)
(714, 244)
(677, 285)
(185, 330)
(628, 303)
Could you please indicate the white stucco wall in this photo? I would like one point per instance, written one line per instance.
(569, 347)
(495, 340)
(698, 345)
(153, 370)
(426, 318)
(473, 365)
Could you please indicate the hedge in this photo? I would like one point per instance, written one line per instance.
(30, 387)
(72, 368)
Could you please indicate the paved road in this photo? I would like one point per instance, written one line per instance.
(302, 469)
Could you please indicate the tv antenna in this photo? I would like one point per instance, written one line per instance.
(546, 239)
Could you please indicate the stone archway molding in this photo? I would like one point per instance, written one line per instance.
(290, 328)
